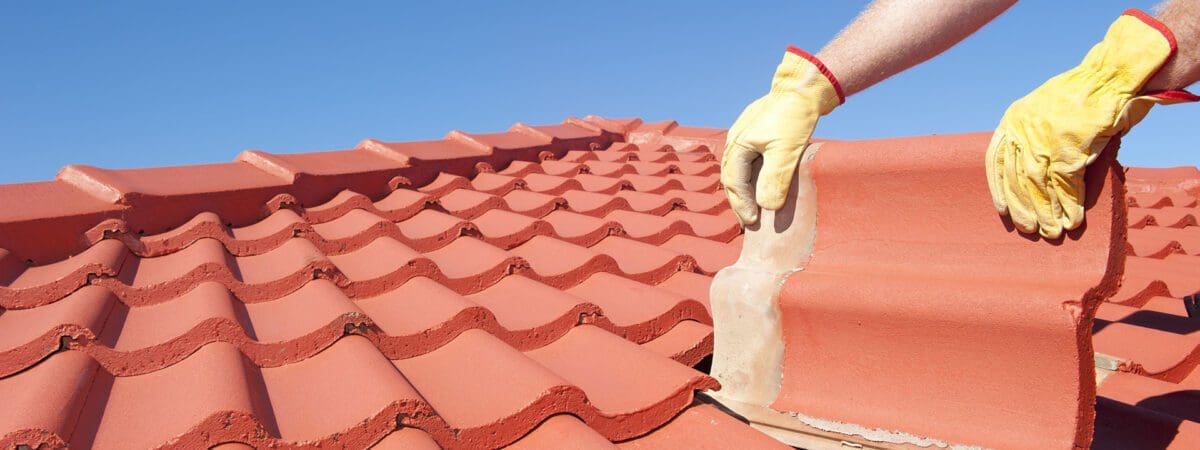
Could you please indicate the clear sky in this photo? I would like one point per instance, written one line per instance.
(125, 84)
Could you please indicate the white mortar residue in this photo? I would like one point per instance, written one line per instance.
(876, 434)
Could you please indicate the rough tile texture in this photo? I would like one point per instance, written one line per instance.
(1148, 327)
(919, 304)
(544, 285)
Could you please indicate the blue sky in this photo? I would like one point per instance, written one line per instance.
(135, 84)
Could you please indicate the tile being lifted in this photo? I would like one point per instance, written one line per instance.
(922, 317)
(935, 318)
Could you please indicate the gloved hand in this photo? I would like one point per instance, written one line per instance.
(777, 127)
(1036, 159)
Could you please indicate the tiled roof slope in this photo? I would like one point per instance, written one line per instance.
(1148, 328)
(366, 296)
(474, 291)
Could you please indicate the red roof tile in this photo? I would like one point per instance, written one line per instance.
(893, 333)
(1151, 401)
(542, 287)
(934, 318)
(889, 333)
(399, 294)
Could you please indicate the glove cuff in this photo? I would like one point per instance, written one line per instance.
(1156, 25)
(801, 72)
(1134, 49)
(1173, 96)
(820, 66)
(1162, 97)
(1170, 96)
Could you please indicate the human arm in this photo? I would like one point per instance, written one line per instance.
(886, 38)
(1182, 17)
(891, 36)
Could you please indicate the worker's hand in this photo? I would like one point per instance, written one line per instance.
(777, 127)
(1036, 159)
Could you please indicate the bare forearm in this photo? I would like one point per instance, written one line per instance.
(893, 35)
(1183, 18)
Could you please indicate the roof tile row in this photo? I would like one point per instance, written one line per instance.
(488, 289)
(1153, 400)
(394, 294)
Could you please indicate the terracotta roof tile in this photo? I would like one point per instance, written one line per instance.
(1172, 217)
(580, 229)
(1150, 400)
(639, 311)
(703, 427)
(594, 204)
(563, 431)
(545, 286)
(610, 370)
(533, 204)
(651, 203)
(1164, 235)
(1162, 200)
(522, 304)
(884, 311)
(687, 343)
(407, 439)
(891, 326)
(473, 291)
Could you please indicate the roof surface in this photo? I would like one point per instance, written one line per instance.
(474, 291)
(542, 286)
(1153, 399)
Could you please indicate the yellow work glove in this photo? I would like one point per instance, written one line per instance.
(1036, 159)
(776, 127)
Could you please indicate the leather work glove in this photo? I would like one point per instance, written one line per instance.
(776, 127)
(1036, 158)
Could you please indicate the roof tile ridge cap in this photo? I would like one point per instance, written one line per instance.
(624, 129)
(665, 127)
(381, 148)
(572, 120)
(1099, 174)
(525, 129)
(95, 182)
(269, 163)
(1114, 174)
(463, 138)
(1110, 282)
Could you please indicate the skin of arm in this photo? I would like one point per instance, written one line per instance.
(891, 36)
(886, 38)
(1183, 18)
